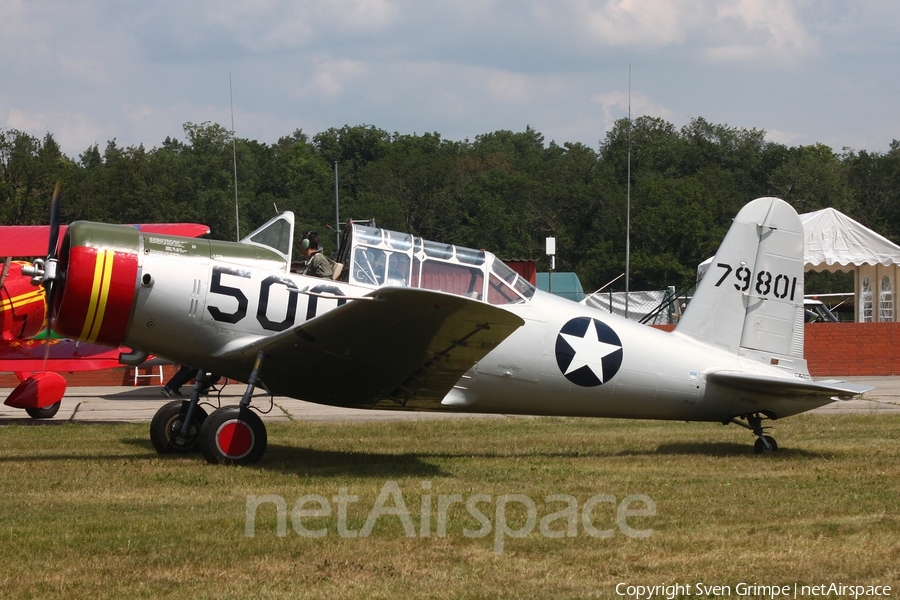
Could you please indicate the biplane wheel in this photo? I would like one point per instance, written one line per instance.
(765, 444)
(44, 413)
(233, 436)
(165, 428)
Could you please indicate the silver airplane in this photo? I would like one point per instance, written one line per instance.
(420, 325)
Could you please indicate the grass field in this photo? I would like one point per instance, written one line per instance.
(92, 511)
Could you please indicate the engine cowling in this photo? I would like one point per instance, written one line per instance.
(99, 266)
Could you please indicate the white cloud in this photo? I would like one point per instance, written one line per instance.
(788, 138)
(754, 30)
(506, 88)
(333, 76)
(614, 106)
(653, 23)
(94, 70)
(275, 25)
(73, 130)
(85, 68)
(721, 30)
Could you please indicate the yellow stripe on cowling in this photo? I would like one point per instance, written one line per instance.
(99, 292)
(95, 292)
(108, 257)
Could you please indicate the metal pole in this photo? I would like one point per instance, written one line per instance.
(550, 277)
(237, 218)
(337, 217)
(628, 203)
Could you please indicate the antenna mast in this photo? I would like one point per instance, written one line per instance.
(628, 202)
(337, 217)
(237, 218)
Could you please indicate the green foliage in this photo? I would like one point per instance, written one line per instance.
(505, 191)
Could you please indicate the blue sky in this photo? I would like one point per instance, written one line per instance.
(805, 71)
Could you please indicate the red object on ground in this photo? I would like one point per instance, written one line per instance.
(38, 391)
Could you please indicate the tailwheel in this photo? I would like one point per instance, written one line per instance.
(765, 443)
(44, 413)
(233, 435)
(167, 433)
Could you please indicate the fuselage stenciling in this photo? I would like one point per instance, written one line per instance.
(778, 285)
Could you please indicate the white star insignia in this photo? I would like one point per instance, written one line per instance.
(589, 351)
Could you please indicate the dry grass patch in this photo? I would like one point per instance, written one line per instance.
(92, 511)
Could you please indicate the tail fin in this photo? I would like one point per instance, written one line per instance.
(751, 298)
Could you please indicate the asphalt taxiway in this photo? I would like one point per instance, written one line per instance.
(114, 404)
(138, 404)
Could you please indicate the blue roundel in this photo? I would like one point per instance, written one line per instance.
(588, 352)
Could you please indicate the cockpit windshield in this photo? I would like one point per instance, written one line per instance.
(380, 257)
(276, 234)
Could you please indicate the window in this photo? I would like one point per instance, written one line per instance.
(865, 301)
(438, 250)
(452, 278)
(398, 269)
(368, 266)
(499, 292)
(886, 300)
(276, 235)
(512, 280)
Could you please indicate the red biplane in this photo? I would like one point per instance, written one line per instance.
(25, 348)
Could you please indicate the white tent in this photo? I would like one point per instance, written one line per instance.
(835, 242)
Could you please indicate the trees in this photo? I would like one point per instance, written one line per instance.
(505, 191)
(29, 169)
(812, 177)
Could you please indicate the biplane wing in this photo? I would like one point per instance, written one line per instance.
(32, 240)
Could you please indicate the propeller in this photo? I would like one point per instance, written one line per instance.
(44, 271)
(50, 274)
(55, 204)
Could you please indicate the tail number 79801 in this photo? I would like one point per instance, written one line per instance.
(765, 283)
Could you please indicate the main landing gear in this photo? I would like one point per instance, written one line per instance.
(233, 435)
(764, 443)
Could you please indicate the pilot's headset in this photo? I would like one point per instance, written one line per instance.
(305, 242)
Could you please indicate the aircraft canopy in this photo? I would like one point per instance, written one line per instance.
(379, 257)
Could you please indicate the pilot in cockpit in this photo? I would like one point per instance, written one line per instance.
(317, 264)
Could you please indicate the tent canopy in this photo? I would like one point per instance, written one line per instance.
(832, 241)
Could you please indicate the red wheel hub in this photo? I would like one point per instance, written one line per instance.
(235, 439)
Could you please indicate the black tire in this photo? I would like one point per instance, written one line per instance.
(165, 428)
(760, 446)
(44, 413)
(233, 436)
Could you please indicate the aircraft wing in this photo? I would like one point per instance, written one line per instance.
(32, 240)
(788, 387)
(63, 355)
(405, 345)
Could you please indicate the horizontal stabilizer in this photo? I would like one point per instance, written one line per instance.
(788, 387)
